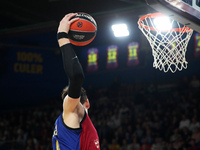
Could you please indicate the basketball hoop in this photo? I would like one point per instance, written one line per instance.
(169, 46)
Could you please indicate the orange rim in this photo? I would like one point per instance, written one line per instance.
(154, 15)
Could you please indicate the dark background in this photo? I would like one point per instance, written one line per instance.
(31, 26)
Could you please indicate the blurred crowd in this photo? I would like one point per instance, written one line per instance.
(138, 116)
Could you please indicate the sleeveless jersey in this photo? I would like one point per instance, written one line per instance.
(83, 138)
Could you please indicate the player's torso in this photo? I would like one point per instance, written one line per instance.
(84, 138)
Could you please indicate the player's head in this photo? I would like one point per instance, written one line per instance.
(83, 99)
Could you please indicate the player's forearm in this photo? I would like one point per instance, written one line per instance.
(73, 70)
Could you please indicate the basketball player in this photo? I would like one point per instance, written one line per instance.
(73, 128)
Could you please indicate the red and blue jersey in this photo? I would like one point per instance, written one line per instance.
(83, 138)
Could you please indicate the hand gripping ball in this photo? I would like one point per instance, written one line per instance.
(82, 31)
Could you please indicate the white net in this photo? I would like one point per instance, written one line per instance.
(169, 46)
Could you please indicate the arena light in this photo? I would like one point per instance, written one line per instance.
(162, 23)
(120, 30)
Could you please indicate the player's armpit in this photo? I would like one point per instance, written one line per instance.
(70, 104)
(72, 111)
(71, 119)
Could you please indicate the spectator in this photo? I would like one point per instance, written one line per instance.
(114, 145)
(124, 112)
(114, 121)
(193, 145)
(175, 136)
(157, 145)
(104, 144)
(194, 124)
(196, 135)
(183, 84)
(194, 83)
(165, 145)
(139, 131)
(124, 145)
(177, 145)
(185, 122)
(134, 145)
(174, 123)
(148, 138)
(185, 134)
(145, 145)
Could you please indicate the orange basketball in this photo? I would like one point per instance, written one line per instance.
(82, 31)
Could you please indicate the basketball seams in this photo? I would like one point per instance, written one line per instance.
(90, 22)
(86, 22)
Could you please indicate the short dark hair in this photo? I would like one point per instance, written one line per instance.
(83, 94)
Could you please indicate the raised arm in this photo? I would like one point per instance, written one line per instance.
(72, 66)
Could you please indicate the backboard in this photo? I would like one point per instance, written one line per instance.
(187, 12)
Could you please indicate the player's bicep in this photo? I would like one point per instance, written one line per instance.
(70, 104)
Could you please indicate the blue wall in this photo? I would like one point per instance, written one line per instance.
(45, 76)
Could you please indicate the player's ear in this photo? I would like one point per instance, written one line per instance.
(87, 104)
